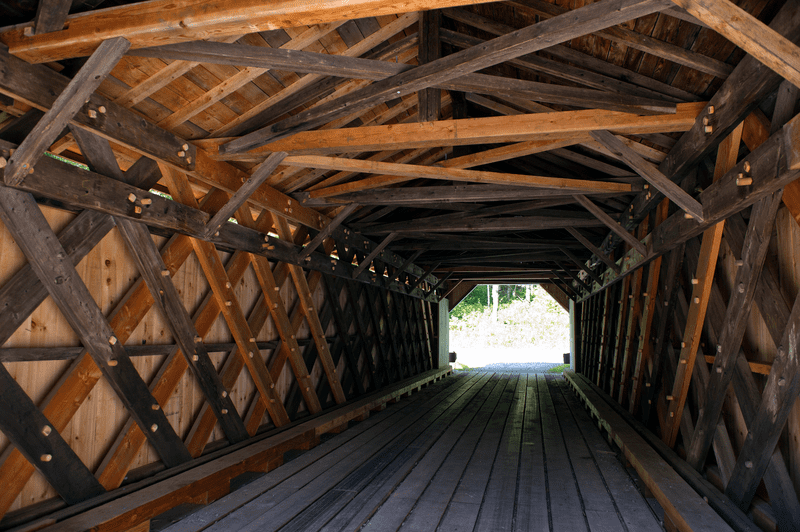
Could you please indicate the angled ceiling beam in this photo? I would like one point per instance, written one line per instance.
(243, 194)
(594, 249)
(168, 22)
(259, 58)
(327, 230)
(611, 223)
(68, 103)
(650, 173)
(490, 130)
(533, 38)
(374, 253)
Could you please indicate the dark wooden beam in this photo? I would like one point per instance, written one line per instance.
(364, 264)
(515, 223)
(430, 49)
(580, 264)
(327, 230)
(51, 15)
(558, 29)
(33, 435)
(422, 277)
(650, 173)
(594, 249)
(238, 199)
(53, 266)
(68, 103)
(730, 338)
(612, 224)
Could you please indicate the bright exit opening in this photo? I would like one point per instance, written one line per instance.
(509, 328)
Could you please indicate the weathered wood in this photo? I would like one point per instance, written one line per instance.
(460, 132)
(68, 103)
(343, 327)
(601, 215)
(430, 49)
(32, 434)
(594, 249)
(730, 338)
(223, 291)
(364, 264)
(338, 220)
(51, 15)
(750, 34)
(22, 217)
(650, 173)
(159, 21)
(240, 197)
(397, 173)
(580, 264)
(559, 29)
(780, 393)
(165, 296)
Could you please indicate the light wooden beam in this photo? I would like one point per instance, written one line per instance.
(397, 173)
(167, 22)
(490, 130)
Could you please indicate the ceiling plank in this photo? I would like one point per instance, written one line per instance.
(51, 15)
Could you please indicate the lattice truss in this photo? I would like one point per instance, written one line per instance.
(373, 165)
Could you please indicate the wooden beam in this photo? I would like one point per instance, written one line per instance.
(533, 38)
(748, 33)
(594, 249)
(222, 289)
(422, 277)
(489, 130)
(166, 298)
(374, 253)
(612, 224)
(778, 398)
(754, 252)
(701, 290)
(405, 172)
(68, 103)
(261, 173)
(307, 307)
(343, 327)
(33, 435)
(430, 49)
(52, 265)
(511, 223)
(51, 15)
(160, 21)
(582, 265)
(327, 230)
(38, 85)
(650, 173)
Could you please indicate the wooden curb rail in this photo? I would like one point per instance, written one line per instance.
(687, 510)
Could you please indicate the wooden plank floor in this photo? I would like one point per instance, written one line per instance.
(476, 451)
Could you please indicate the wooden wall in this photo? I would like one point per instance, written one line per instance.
(637, 364)
(387, 342)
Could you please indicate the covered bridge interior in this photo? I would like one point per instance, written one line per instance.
(231, 229)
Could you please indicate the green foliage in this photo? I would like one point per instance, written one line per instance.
(539, 323)
(559, 369)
